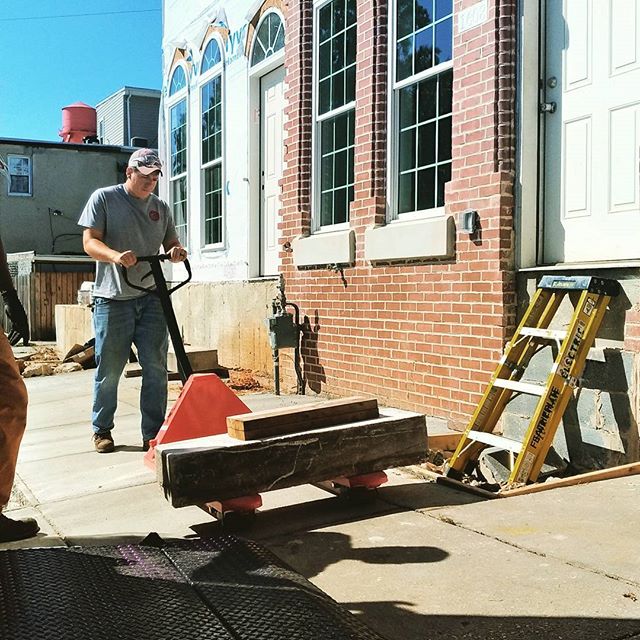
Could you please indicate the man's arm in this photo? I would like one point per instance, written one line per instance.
(93, 243)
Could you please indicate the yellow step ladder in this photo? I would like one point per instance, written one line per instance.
(533, 334)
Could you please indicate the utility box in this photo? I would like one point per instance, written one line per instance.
(283, 333)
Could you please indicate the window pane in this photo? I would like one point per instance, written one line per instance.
(326, 208)
(340, 169)
(427, 99)
(351, 39)
(443, 8)
(444, 176)
(426, 189)
(325, 96)
(407, 153)
(337, 53)
(350, 85)
(338, 16)
(406, 195)
(445, 92)
(424, 13)
(407, 106)
(213, 205)
(444, 139)
(327, 136)
(339, 206)
(404, 58)
(178, 138)
(324, 59)
(351, 12)
(179, 207)
(424, 50)
(325, 23)
(444, 42)
(19, 184)
(427, 144)
(326, 170)
(337, 90)
(404, 16)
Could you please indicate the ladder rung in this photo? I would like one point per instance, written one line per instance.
(521, 387)
(549, 334)
(495, 441)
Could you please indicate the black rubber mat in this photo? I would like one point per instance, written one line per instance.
(223, 588)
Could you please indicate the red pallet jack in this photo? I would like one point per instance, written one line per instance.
(205, 403)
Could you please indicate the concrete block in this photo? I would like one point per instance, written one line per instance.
(74, 325)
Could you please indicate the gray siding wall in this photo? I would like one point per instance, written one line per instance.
(144, 119)
(111, 112)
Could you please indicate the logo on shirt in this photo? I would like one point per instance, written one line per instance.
(154, 215)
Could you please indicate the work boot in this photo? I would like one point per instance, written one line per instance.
(103, 442)
(145, 445)
(11, 530)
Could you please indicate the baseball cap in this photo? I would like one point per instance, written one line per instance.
(146, 161)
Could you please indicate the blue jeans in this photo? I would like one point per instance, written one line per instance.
(118, 324)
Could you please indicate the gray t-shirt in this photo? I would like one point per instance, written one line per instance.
(128, 224)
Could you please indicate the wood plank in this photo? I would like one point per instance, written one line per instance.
(444, 441)
(274, 422)
(592, 476)
(220, 467)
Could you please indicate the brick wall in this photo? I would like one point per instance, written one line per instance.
(419, 335)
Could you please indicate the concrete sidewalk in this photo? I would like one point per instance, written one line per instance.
(421, 561)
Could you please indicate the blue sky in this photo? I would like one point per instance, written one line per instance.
(51, 63)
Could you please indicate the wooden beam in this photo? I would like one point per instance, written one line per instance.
(219, 467)
(275, 422)
(592, 476)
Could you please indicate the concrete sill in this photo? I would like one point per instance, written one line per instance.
(430, 238)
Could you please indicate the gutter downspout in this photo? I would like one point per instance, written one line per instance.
(129, 96)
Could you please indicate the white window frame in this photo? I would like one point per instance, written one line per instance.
(171, 103)
(316, 161)
(393, 120)
(205, 78)
(19, 194)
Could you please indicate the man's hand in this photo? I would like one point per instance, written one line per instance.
(125, 259)
(15, 313)
(177, 254)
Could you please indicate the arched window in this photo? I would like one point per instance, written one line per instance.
(178, 81)
(269, 38)
(211, 56)
(211, 144)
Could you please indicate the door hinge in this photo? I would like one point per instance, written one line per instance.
(548, 107)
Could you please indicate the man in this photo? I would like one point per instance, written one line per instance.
(121, 223)
(13, 405)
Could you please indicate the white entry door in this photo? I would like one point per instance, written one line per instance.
(271, 154)
(591, 194)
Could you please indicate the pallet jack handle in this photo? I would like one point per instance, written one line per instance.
(163, 292)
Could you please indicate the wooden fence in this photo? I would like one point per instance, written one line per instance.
(50, 281)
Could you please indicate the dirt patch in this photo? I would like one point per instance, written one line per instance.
(243, 380)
